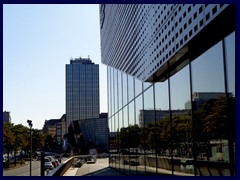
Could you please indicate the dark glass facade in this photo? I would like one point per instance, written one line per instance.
(82, 90)
(196, 138)
(90, 133)
(181, 122)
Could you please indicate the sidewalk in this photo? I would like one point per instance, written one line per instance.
(100, 168)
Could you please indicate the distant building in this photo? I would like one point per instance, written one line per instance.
(82, 90)
(6, 117)
(50, 127)
(61, 128)
(56, 128)
(199, 98)
(103, 115)
(148, 116)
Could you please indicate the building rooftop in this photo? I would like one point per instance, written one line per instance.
(81, 61)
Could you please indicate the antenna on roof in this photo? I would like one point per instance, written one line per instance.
(88, 57)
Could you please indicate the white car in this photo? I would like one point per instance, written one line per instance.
(52, 160)
(48, 165)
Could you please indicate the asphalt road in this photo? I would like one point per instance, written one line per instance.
(24, 170)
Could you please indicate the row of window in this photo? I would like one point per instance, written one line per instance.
(163, 30)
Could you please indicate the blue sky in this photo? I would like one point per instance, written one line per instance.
(38, 40)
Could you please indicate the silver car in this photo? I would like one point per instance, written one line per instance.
(48, 165)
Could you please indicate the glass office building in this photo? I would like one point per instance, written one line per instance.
(171, 88)
(82, 90)
(90, 133)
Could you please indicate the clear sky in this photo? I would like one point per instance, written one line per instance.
(38, 40)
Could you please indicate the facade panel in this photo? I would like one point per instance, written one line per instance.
(148, 38)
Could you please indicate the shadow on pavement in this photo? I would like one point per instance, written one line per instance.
(105, 172)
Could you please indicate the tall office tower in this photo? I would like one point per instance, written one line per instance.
(82, 90)
(157, 56)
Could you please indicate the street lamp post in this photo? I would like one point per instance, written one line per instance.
(30, 126)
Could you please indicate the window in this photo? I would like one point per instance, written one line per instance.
(207, 16)
(214, 10)
(200, 9)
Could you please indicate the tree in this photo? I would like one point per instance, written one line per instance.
(21, 138)
(48, 143)
(37, 139)
(216, 119)
(8, 138)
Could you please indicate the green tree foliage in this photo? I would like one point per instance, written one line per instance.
(215, 117)
(49, 143)
(37, 139)
(21, 137)
(17, 138)
(8, 138)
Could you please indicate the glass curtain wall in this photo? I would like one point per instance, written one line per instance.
(184, 125)
(214, 106)
(180, 122)
(229, 47)
(162, 116)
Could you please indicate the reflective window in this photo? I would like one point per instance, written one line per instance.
(231, 118)
(146, 85)
(130, 88)
(181, 119)
(112, 90)
(230, 62)
(124, 79)
(209, 105)
(139, 109)
(132, 139)
(125, 140)
(131, 114)
(120, 119)
(116, 90)
(121, 148)
(148, 107)
(149, 130)
(120, 89)
(162, 122)
(117, 157)
(111, 141)
(138, 135)
(138, 87)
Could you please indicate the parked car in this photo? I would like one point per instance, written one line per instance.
(48, 165)
(54, 155)
(58, 157)
(57, 162)
(51, 159)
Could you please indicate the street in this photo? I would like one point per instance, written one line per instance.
(24, 170)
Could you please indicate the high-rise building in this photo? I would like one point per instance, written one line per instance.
(82, 90)
(6, 116)
(157, 55)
